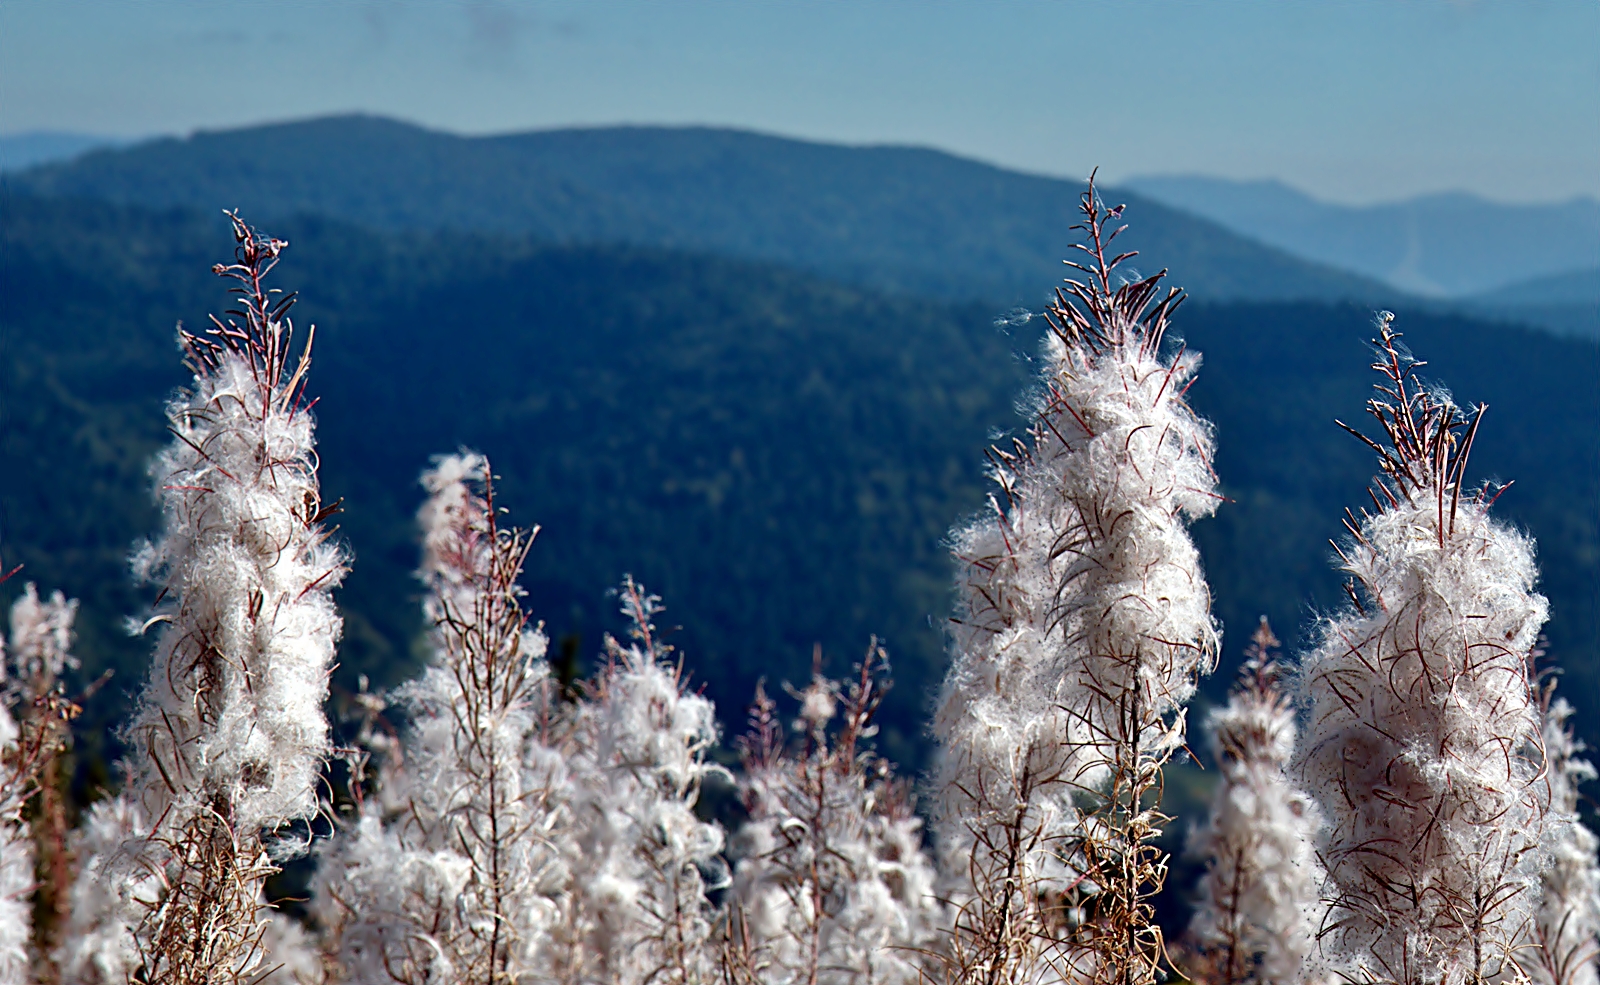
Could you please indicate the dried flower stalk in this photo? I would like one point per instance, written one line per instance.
(34, 858)
(1567, 923)
(1083, 624)
(1421, 711)
(1258, 911)
(455, 872)
(642, 863)
(230, 736)
(832, 885)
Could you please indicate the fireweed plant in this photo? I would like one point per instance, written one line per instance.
(1082, 625)
(35, 717)
(515, 835)
(516, 828)
(832, 883)
(229, 737)
(1567, 922)
(1425, 747)
(447, 875)
(1257, 911)
(638, 910)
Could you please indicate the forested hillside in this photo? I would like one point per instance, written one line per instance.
(1566, 303)
(781, 457)
(894, 218)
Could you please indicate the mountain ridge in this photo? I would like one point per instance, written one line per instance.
(911, 220)
(28, 148)
(1448, 244)
(1579, 286)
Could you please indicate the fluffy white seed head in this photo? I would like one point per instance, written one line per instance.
(1258, 910)
(641, 860)
(1085, 579)
(530, 836)
(109, 898)
(1567, 924)
(455, 535)
(39, 650)
(290, 954)
(1420, 712)
(832, 884)
(1082, 608)
(229, 736)
(41, 637)
(456, 871)
(247, 626)
(818, 704)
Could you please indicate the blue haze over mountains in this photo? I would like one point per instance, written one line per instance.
(1498, 257)
(1450, 244)
(940, 224)
(758, 373)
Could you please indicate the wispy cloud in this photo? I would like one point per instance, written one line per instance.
(497, 31)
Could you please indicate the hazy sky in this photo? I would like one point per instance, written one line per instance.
(1351, 100)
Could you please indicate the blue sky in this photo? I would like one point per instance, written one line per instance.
(1354, 101)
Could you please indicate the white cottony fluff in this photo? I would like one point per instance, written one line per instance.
(16, 850)
(1257, 914)
(233, 708)
(16, 887)
(109, 895)
(639, 911)
(1080, 597)
(461, 878)
(41, 638)
(290, 955)
(38, 649)
(1568, 920)
(832, 885)
(529, 836)
(229, 737)
(1420, 711)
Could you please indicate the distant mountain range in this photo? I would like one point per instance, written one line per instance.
(1572, 287)
(1567, 304)
(24, 150)
(895, 218)
(1448, 245)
